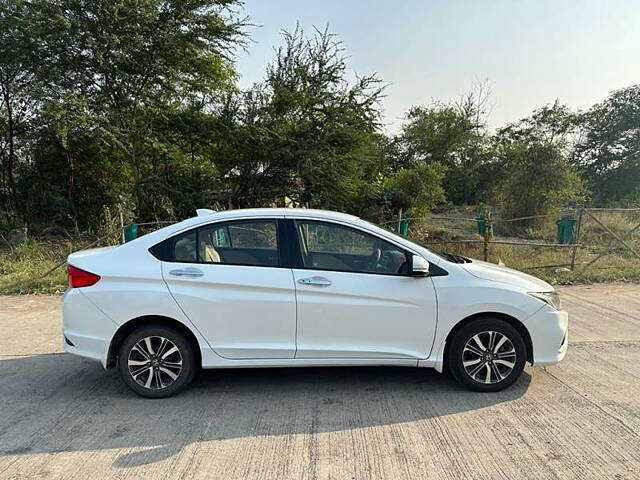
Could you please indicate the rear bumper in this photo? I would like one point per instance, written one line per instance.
(549, 330)
(85, 346)
(86, 327)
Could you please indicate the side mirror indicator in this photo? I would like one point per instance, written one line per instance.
(419, 266)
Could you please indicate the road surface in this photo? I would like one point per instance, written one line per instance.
(65, 417)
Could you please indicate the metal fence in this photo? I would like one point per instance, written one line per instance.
(595, 234)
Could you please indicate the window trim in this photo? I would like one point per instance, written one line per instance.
(167, 249)
(289, 254)
(300, 261)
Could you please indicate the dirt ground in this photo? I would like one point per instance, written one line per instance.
(65, 417)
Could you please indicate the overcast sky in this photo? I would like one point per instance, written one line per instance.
(531, 51)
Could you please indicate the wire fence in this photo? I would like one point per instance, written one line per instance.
(573, 240)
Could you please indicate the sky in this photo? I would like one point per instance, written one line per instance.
(532, 52)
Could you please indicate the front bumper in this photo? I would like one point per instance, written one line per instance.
(549, 330)
(86, 327)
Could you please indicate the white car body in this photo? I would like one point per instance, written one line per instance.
(246, 316)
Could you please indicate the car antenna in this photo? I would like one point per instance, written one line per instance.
(201, 212)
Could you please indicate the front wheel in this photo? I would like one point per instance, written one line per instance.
(487, 355)
(156, 361)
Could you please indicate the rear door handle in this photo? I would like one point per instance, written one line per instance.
(316, 281)
(187, 272)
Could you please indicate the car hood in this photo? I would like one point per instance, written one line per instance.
(498, 273)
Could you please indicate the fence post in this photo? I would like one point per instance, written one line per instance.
(576, 239)
(121, 223)
(399, 221)
(488, 234)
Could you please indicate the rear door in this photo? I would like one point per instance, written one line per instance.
(355, 298)
(227, 278)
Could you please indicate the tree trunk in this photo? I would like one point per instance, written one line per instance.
(12, 152)
(70, 190)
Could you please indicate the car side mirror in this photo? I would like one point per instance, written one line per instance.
(419, 266)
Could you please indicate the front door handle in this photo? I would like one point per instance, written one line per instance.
(187, 272)
(316, 281)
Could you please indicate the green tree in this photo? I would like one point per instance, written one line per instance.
(306, 132)
(416, 190)
(608, 153)
(19, 100)
(534, 155)
(454, 135)
(135, 62)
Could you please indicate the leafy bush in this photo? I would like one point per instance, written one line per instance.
(539, 181)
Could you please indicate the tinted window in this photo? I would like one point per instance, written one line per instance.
(184, 247)
(330, 246)
(239, 243)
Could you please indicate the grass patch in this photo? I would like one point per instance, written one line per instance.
(543, 262)
(22, 267)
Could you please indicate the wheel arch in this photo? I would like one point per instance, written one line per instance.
(126, 328)
(514, 322)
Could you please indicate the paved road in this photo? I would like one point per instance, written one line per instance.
(64, 417)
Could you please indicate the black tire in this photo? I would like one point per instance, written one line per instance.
(500, 375)
(162, 383)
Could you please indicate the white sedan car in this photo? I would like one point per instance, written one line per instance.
(296, 287)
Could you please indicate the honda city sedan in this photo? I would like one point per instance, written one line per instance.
(297, 287)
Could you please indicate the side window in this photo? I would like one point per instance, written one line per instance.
(253, 242)
(328, 246)
(184, 247)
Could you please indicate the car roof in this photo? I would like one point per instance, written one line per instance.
(206, 216)
(285, 212)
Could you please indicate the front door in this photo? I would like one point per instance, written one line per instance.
(355, 298)
(227, 279)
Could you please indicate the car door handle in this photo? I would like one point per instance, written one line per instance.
(187, 272)
(317, 281)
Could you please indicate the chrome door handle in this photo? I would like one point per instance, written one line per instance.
(187, 272)
(317, 281)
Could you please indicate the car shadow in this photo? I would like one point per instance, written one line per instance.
(59, 403)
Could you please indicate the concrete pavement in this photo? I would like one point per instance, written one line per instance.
(65, 417)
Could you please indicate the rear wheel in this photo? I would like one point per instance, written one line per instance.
(156, 361)
(487, 355)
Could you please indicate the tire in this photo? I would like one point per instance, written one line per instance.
(156, 361)
(487, 369)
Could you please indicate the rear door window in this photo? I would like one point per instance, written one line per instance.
(251, 242)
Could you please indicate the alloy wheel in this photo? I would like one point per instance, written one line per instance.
(155, 362)
(489, 357)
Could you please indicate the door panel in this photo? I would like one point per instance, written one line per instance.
(355, 298)
(242, 311)
(364, 315)
(228, 282)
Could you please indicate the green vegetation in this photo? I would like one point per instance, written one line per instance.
(618, 265)
(22, 268)
(534, 260)
(129, 109)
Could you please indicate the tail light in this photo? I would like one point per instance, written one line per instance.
(81, 278)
